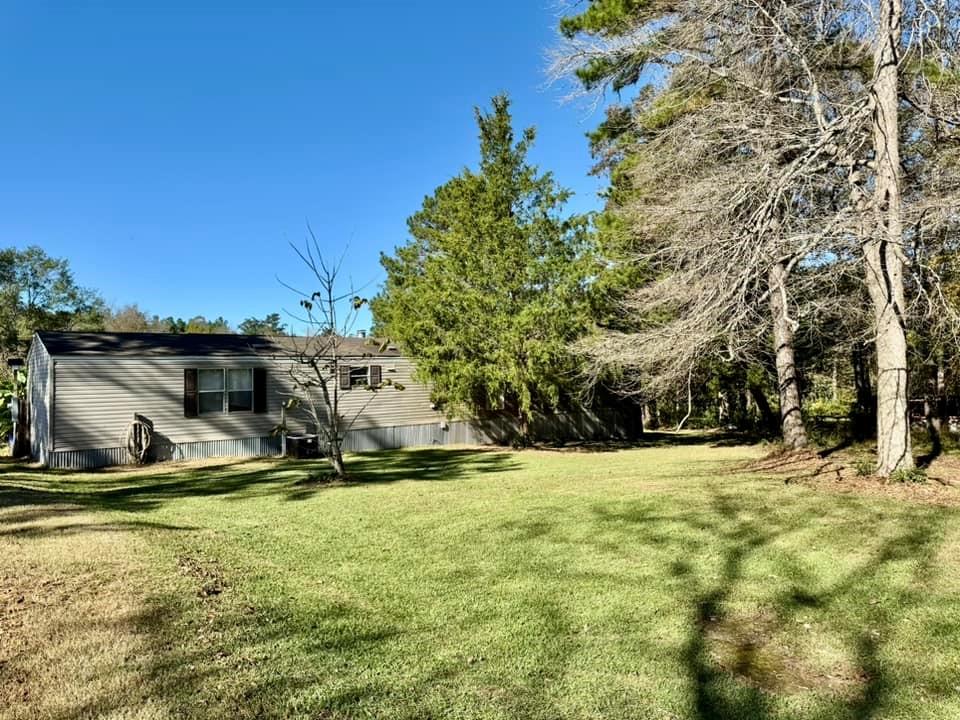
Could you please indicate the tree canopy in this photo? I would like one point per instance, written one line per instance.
(269, 325)
(492, 286)
(38, 292)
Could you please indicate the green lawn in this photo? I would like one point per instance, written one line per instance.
(656, 582)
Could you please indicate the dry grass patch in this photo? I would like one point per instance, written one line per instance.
(762, 651)
(72, 618)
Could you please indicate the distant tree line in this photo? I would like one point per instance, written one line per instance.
(39, 292)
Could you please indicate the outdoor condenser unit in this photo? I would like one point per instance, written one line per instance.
(303, 446)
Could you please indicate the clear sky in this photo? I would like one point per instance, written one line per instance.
(171, 150)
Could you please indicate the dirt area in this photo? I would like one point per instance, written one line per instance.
(837, 472)
(764, 654)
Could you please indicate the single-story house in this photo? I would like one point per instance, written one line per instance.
(209, 396)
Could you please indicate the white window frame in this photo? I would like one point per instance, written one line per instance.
(225, 391)
(366, 369)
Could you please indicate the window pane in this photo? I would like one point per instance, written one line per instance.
(241, 400)
(211, 380)
(358, 376)
(211, 402)
(240, 379)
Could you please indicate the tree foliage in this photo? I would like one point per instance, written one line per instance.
(39, 292)
(492, 286)
(269, 325)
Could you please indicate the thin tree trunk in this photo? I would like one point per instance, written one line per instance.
(791, 419)
(833, 382)
(768, 419)
(933, 406)
(865, 408)
(689, 402)
(884, 256)
(941, 412)
(336, 459)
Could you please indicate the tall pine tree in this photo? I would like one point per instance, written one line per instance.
(492, 287)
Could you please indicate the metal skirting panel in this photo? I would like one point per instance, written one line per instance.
(489, 431)
(408, 436)
(88, 459)
(104, 457)
(243, 447)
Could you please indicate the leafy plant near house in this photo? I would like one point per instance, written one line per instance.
(10, 387)
(491, 289)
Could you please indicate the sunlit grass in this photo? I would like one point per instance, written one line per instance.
(658, 582)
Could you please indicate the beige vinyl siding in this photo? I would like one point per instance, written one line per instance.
(410, 406)
(97, 397)
(38, 377)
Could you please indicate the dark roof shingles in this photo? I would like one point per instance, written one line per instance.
(192, 345)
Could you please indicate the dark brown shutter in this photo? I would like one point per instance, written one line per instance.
(344, 377)
(376, 376)
(190, 401)
(259, 390)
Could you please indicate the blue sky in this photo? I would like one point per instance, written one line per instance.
(171, 151)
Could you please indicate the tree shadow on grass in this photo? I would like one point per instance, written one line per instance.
(208, 657)
(655, 439)
(736, 670)
(148, 488)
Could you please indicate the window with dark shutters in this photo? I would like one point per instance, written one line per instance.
(344, 377)
(190, 404)
(259, 390)
(376, 376)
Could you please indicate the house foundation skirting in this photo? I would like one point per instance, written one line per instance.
(495, 430)
(360, 440)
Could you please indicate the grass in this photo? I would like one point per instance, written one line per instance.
(655, 582)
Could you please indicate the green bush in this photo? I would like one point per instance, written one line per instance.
(826, 407)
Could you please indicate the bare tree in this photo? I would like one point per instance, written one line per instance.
(737, 186)
(784, 119)
(317, 362)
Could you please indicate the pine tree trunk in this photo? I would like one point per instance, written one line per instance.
(791, 420)
(884, 256)
(651, 420)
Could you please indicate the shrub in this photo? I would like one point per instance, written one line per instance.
(909, 475)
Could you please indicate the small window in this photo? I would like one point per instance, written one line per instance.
(359, 376)
(210, 391)
(240, 390)
(225, 391)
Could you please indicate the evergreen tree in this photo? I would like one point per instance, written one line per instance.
(269, 325)
(492, 287)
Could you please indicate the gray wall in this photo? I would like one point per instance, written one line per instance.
(39, 394)
(97, 397)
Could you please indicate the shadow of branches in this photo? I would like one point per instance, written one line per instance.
(728, 622)
(61, 493)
